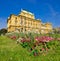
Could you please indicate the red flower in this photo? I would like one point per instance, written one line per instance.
(58, 39)
(36, 43)
(13, 37)
(35, 54)
(23, 40)
(46, 49)
(43, 49)
(28, 40)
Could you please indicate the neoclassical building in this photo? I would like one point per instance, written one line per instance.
(26, 22)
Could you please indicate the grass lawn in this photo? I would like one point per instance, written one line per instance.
(11, 51)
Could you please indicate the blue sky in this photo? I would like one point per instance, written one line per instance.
(46, 10)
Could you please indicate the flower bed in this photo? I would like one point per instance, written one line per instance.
(35, 44)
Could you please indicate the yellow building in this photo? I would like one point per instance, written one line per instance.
(26, 22)
(46, 27)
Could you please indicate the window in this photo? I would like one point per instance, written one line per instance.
(21, 29)
(16, 21)
(21, 21)
(25, 20)
(25, 29)
(10, 21)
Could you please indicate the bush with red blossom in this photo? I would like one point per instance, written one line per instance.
(25, 39)
(13, 37)
(58, 39)
(37, 44)
(43, 39)
(32, 45)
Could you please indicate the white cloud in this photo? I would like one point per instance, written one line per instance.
(53, 15)
(3, 22)
(53, 12)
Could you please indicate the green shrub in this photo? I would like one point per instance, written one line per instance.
(3, 31)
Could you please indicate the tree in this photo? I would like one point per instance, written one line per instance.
(3, 31)
(56, 30)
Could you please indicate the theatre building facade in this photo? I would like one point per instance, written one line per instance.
(26, 22)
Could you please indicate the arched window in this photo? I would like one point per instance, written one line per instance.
(21, 21)
(16, 20)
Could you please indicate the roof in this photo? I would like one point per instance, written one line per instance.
(26, 12)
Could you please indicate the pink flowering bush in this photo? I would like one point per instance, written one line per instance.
(43, 39)
(33, 43)
(58, 39)
(13, 37)
(36, 44)
(25, 41)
